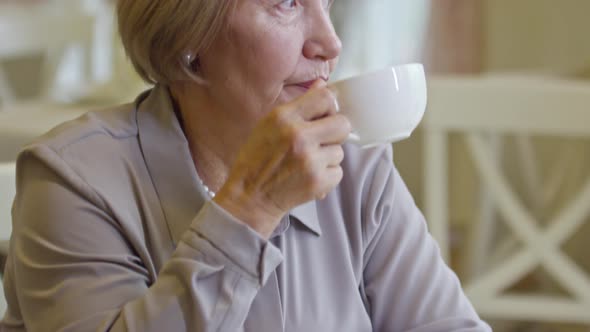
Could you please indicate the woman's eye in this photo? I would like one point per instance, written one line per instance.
(288, 4)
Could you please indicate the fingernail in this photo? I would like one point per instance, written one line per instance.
(318, 83)
(334, 92)
(354, 137)
(336, 105)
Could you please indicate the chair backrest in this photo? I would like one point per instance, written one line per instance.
(482, 110)
(509, 103)
(7, 193)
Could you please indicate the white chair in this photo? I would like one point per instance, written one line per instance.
(483, 110)
(7, 193)
(38, 29)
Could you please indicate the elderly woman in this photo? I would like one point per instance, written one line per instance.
(224, 198)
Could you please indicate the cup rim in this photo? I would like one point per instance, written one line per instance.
(378, 71)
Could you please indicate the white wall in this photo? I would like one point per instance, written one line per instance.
(379, 33)
(546, 35)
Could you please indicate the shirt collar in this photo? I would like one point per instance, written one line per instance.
(169, 162)
(307, 214)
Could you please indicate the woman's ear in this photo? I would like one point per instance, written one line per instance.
(191, 65)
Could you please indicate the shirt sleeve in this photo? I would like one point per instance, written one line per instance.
(406, 283)
(74, 269)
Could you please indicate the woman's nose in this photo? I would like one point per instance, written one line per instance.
(323, 42)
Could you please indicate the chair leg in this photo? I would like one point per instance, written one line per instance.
(3, 255)
(436, 188)
(6, 93)
(483, 230)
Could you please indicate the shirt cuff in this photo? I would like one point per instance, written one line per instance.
(244, 247)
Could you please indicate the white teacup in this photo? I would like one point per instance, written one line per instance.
(383, 106)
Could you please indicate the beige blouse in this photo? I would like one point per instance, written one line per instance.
(112, 231)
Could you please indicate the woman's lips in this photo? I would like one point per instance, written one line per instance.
(307, 85)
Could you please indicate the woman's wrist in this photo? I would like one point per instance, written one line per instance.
(248, 210)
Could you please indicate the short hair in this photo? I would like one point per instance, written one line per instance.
(158, 34)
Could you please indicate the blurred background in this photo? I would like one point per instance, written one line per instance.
(500, 164)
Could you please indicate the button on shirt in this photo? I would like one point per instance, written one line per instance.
(114, 232)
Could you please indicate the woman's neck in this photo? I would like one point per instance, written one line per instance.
(214, 139)
(211, 161)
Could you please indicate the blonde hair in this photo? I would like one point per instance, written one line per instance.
(160, 35)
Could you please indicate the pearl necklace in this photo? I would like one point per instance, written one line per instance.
(209, 192)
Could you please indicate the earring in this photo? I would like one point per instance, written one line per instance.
(188, 58)
(191, 61)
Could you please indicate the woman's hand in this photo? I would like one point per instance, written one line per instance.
(292, 156)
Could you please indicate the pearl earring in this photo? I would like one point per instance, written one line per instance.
(192, 62)
(189, 58)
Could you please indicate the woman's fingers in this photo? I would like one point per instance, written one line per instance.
(332, 176)
(316, 103)
(331, 129)
(322, 170)
(292, 156)
(317, 134)
(332, 155)
(332, 171)
(318, 108)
